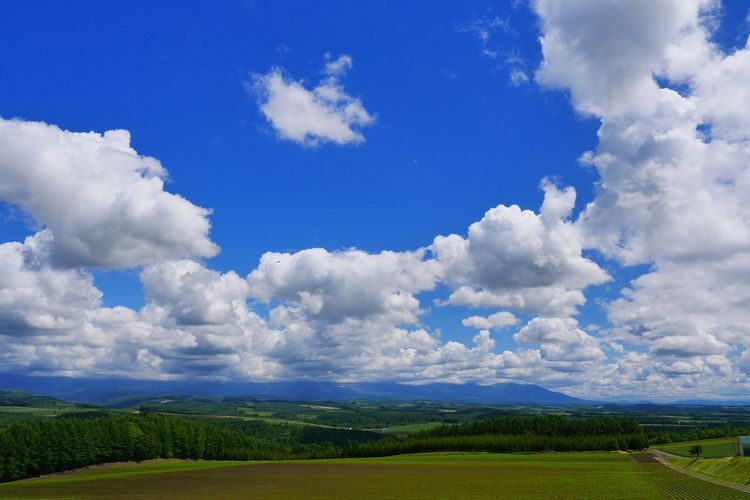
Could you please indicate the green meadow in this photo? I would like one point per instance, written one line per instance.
(732, 469)
(467, 475)
(406, 429)
(712, 448)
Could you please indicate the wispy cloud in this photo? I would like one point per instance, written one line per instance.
(490, 30)
(484, 28)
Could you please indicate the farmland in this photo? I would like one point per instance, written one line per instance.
(411, 427)
(52, 435)
(554, 475)
(19, 406)
(712, 448)
(732, 469)
(678, 485)
(662, 423)
(46, 446)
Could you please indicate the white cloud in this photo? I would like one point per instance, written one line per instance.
(484, 27)
(560, 340)
(338, 66)
(674, 167)
(346, 315)
(352, 315)
(673, 310)
(192, 294)
(493, 321)
(35, 298)
(605, 53)
(721, 90)
(484, 341)
(102, 204)
(324, 113)
(518, 77)
(335, 286)
(51, 320)
(518, 259)
(195, 323)
(229, 340)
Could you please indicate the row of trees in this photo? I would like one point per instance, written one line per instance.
(659, 436)
(544, 425)
(502, 443)
(511, 434)
(288, 435)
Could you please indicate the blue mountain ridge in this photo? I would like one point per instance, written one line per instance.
(89, 390)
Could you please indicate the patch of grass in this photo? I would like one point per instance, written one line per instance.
(712, 448)
(732, 469)
(477, 475)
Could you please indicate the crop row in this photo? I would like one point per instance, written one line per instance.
(676, 485)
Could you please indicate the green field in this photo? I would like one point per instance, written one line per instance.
(411, 427)
(10, 414)
(732, 469)
(18, 406)
(712, 448)
(480, 475)
(677, 485)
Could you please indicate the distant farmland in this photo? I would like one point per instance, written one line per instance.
(406, 429)
(712, 448)
(480, 475)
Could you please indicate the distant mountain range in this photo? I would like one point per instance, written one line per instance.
(99, 391)
(24, 399)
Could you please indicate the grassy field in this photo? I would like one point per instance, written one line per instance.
(11, 414)
(406, 429)
(712, 448)
(732, 469)
(481, 475)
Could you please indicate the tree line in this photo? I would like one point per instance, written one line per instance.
(512, 434)
(498, 444)
(544, 425)
(661, 436)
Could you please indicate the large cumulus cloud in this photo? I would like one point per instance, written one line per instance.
(519, 259)
(100, 202)
(334, 286)
(674, 167)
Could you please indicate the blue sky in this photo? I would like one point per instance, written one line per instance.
(458, 120)
(450, 126)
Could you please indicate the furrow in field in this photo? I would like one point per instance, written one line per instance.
(676, 485)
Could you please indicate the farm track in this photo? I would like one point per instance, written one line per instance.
(681, 484)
